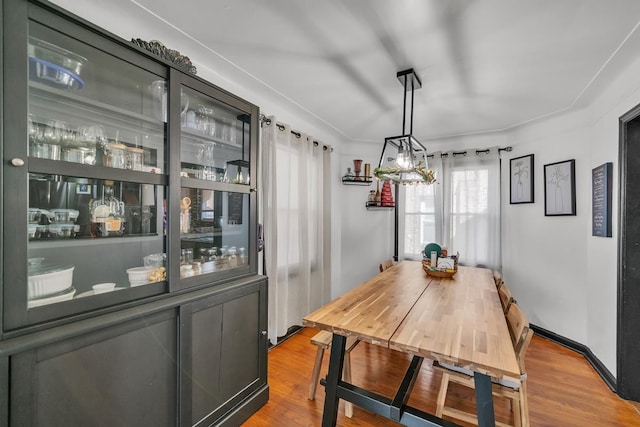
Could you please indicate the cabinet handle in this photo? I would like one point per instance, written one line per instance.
(264, 333)
(17, 162)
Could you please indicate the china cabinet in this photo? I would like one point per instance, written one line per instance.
(129, 255)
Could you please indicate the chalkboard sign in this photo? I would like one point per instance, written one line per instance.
(601, 200)
(235, 208)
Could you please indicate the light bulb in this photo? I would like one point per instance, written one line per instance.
(401, 159)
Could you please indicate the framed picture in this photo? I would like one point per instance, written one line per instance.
(560, 188)
(83, 188)
(521, 173)
(601, 187)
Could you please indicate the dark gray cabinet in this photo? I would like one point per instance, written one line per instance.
(200, 362)
(124, 375)
(227, 357)
(120, 168)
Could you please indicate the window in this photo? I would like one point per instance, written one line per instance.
(419, 219)
(461, 212)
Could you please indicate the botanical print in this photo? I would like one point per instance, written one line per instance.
(522, 179)
(560, 188)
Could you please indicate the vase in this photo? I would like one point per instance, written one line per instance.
(357, 167)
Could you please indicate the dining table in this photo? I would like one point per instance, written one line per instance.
(457, 321)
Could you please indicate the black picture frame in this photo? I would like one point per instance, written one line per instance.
(521, 178)
(560, 188)
(601, 188)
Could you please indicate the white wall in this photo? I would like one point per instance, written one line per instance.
(545, 258)
(367, 236)
(565, 278)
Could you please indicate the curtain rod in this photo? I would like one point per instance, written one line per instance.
(464, 153)
(265, 119)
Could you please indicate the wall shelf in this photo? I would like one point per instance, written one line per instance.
(354, 181)
(375, 207)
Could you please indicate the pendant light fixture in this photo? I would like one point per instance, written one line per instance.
(404, 158)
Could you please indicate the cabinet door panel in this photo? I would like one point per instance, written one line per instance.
(127, 379)
(240, 344)
(206, 355)
(228, 352)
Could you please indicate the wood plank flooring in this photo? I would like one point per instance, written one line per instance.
(564, 390)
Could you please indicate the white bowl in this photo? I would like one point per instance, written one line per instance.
(101, 288)
(47, 280)
(139, 275)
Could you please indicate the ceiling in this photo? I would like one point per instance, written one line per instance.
(485, 65)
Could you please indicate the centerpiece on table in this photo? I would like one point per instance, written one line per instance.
(436, 261)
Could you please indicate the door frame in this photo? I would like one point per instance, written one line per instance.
(628, 316)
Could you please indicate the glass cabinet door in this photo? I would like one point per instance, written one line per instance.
(96, 181)
(215, 199)
(215, 140)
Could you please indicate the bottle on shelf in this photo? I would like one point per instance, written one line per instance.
(349, 175)
(378, 196)
(371, 201)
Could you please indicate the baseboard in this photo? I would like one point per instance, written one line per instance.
(582, 349)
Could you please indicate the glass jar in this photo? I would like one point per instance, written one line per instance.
(233, 257)
(134, 158)
(79, 155)
(204, 120)
(116, 155)
(107, 214)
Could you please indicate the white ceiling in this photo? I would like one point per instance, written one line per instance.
(485, 65)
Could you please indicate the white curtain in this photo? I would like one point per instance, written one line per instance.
(294, 198)
(461, 211)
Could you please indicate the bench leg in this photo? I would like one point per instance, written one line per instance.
(315, 376)
(348, 407)
(442, 394)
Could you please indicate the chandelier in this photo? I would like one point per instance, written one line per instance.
(404, 158)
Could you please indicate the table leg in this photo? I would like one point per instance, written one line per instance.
(330, 413)
(484, 400)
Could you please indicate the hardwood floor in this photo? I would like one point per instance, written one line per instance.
(564, 390)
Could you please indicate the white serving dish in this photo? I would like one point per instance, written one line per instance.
(46, 279)
(64, 295)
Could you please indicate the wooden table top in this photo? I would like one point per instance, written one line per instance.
(458, 320)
